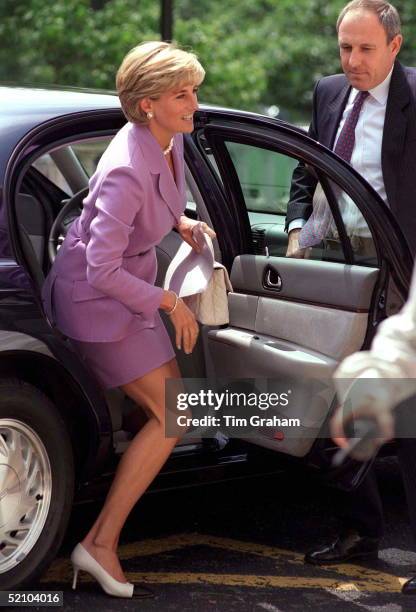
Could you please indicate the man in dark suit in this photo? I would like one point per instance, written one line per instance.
(380, 132)
(369, 40)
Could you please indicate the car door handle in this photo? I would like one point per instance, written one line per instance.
(273, 280)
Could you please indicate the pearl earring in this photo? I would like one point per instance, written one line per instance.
(149, 115)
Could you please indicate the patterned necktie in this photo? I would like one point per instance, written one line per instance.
(319, 223)
(346, 139)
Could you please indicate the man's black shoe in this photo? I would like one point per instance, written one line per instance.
(409, 587)
(346, 547)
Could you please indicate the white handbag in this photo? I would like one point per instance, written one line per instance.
(210, 307)
(200, 281)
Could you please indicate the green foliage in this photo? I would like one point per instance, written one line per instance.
(256, 53)
(67, 42)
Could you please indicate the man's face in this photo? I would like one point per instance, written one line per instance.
(366, 57)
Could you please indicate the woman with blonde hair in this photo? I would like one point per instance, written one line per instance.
(101, 292)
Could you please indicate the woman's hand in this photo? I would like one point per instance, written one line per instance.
(185, 228)
(183, 320)
(186, 327)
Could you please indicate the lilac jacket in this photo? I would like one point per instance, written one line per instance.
(101, 285)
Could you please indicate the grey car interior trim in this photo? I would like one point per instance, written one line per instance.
(328, 331)
(286, 340)
(335, 284)
(331, 332)
(243, 353)
(243, 310)
(240, 353)
(70, 167)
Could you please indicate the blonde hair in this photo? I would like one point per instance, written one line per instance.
(149, 70)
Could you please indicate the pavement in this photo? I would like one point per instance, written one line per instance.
(240, 546)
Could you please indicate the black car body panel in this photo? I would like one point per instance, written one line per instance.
(36, 356)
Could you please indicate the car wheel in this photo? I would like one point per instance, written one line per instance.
(36, 482)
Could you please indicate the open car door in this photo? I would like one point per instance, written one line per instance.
(291, 319)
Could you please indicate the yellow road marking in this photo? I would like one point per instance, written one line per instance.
(250, 581)
(256, 581)
(281, 555)
(364, 578)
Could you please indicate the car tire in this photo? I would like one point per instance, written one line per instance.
(36, 482)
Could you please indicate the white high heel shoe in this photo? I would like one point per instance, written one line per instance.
(82, 560)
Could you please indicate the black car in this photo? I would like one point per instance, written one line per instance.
(60, 433)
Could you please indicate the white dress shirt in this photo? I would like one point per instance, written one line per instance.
(366, 155)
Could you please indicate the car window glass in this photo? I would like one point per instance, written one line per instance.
(86, 152)
(46, 166)
(264, 175)
(356, 227)
(265, 178)
(90, 151)
(323, 233)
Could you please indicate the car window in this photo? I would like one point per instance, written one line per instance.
(46, 166)
(90, 151)
(265, 178)
(356, 228)
(81, 156)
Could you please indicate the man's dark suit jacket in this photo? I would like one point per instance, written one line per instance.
(398, 156)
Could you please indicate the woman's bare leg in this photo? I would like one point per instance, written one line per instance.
(141, 462)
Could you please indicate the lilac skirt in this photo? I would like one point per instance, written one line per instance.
(121, 362)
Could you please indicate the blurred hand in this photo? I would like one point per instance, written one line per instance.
(186, 327)
(366, 399)
(293, 248)
(185, 228)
